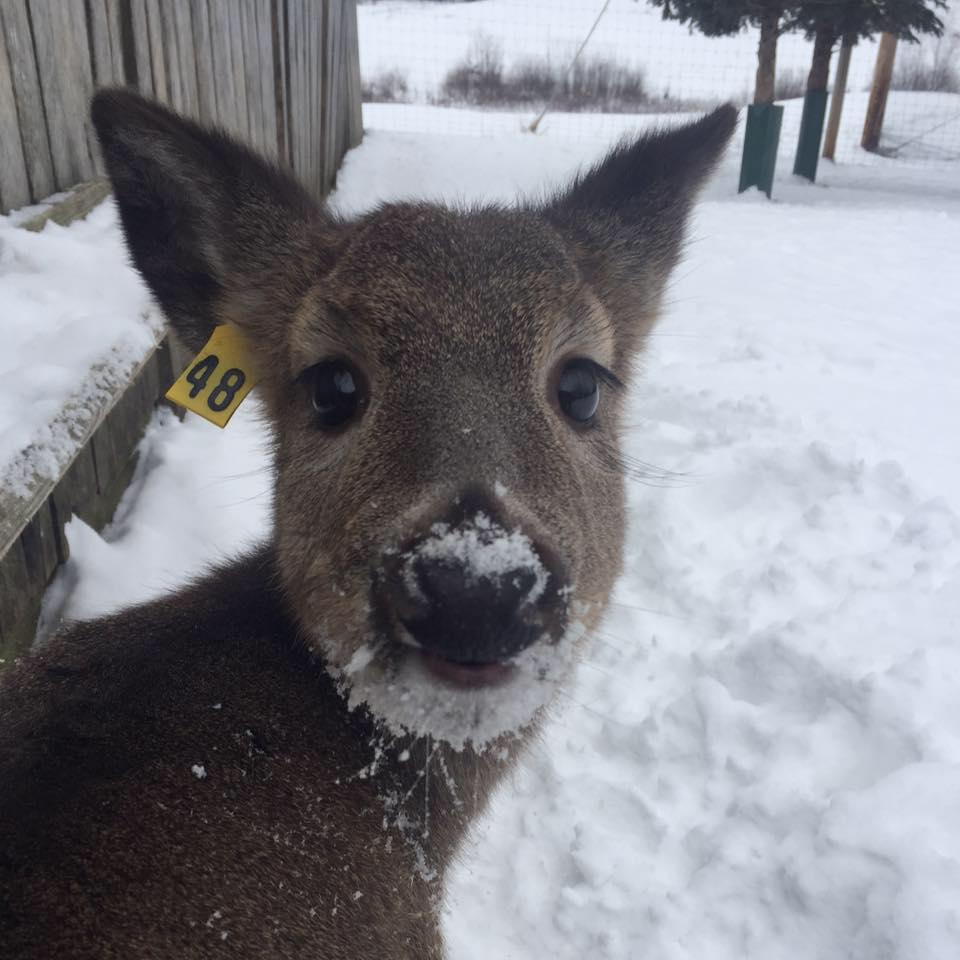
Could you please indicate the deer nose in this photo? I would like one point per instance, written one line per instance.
(474, 592)
(472, 617)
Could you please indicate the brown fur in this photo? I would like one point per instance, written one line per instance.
(459, 323)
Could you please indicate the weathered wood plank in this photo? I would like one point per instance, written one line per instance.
(330, 89)
(25, 572)
(238, 61)
(26, 87)
(141, 47)
(228, 110)
(105, 72)
(306, 91)
(183, 27)
(247, 16)
(115, 32)
(14, 183)
(203, 58)
(76, 205)
(40, 549)
(267, 93)
(281, 76)
(107, 67)
(296, 87)
(158, 62)
(18, 605)
(66, 81)
(75, 493)
(352, 102)
(172, 55)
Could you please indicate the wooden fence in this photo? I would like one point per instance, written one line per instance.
(283, 75)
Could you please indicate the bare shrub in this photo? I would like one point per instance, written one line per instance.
(389, 86)
(790, 85)
(478, 80)
(600, 84)
(533, 80)
(593, 84)
(940, 74)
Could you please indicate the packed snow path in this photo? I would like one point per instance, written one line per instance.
(761, 758)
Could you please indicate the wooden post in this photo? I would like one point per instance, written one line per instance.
(836, 101)
(814, 106)
(882, 75)
(763, 91)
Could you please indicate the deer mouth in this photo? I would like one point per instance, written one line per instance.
(467, 676)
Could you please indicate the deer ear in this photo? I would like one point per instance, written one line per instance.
(625, 218)
(214, 229)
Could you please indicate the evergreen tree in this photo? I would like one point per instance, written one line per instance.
(827, 21)
(717, 18)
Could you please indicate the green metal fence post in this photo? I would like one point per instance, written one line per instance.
(760, 141)
(811, 130)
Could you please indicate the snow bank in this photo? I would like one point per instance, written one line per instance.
(75, 320)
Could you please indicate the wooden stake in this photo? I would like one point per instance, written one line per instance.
(882, 75)
(836, 101)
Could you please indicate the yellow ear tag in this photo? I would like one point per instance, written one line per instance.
(218, 378)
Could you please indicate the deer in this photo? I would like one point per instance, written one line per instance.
(282, 758)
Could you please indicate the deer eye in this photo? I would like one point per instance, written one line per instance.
(335, 392)
(579, 390)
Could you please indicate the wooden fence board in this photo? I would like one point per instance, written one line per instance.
(247, 16)
(296, 87)
(66, 82)
(268, 96)
(352, 102)
(187, 60)
(100, 52)
(330, 92)
(278, 30)
(141, 47)
(203, 57)
(222, 61)
(158, 62)
(238, 60)
(14, 183)
(171, 55)
(115, 32)
(26, 88)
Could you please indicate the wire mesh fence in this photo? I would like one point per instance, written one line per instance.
(485, 58)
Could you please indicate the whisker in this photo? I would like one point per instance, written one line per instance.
(658, 613)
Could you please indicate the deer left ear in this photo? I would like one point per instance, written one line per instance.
(625, 218)
(219, 234)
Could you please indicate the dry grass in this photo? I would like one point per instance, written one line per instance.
(390, 86)
(481, 79)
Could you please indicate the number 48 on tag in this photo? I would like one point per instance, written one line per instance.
(218, 378)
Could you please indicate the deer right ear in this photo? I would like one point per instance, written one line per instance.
(213, 229)
(625, 218)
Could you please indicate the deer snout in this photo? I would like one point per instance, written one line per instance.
(473, 592)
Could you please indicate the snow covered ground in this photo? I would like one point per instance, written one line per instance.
(761, 757)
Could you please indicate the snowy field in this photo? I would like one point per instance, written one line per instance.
(426, 39)
(761, 756)
(422, 41)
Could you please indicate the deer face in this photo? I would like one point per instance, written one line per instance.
(446, 391)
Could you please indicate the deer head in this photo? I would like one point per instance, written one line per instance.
(446, 390)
